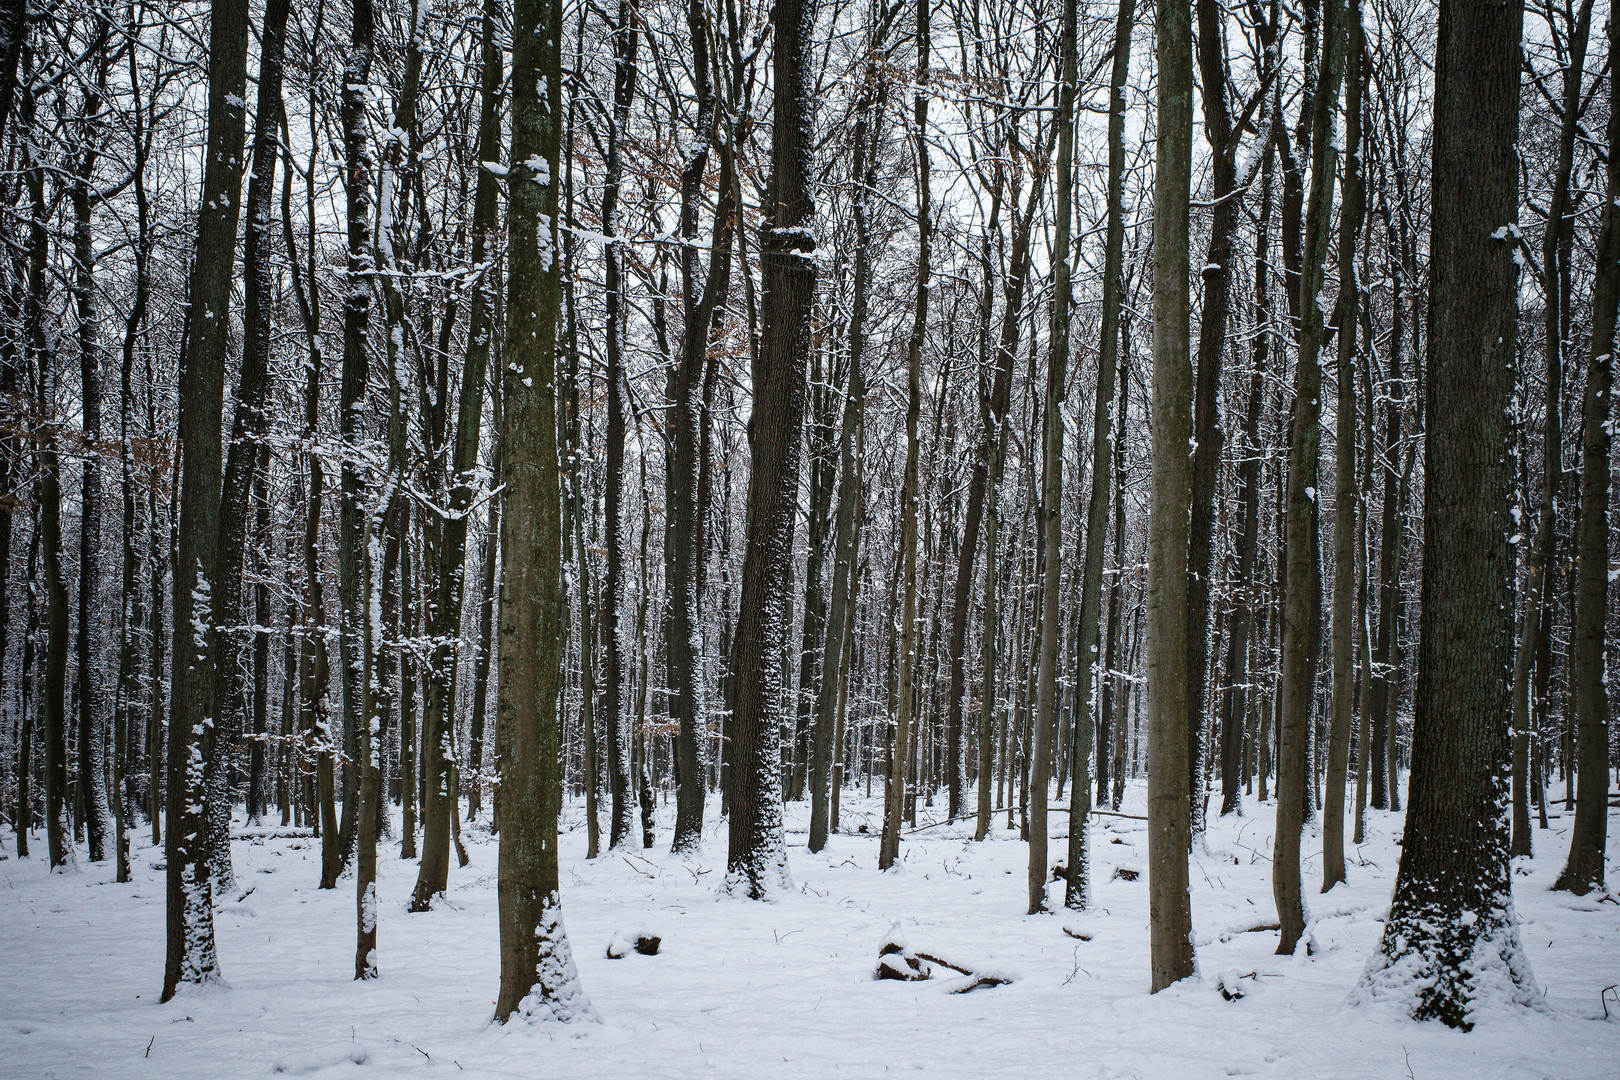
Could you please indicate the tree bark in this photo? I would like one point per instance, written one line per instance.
(1555, 244)
(616, 676)
(868, 126)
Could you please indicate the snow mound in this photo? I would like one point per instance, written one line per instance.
(640, 940)
(305, 1062)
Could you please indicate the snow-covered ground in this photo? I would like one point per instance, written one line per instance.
(783, 989)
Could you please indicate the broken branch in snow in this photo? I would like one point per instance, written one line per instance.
(898, 962)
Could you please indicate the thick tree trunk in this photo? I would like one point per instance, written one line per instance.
(1452, 932)
(756, 862)
(191, 956)
(538, 978)
(1170, 927)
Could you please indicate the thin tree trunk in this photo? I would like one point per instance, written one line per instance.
(1554, 245)
(1050, 514)
(58, 811)
(1584, 870)
(1346, 497)
(616, 675)
(829, 705)
(1089, 674)
(1209, 438)
(92, 782)
(1300, 606)
(247, 428)
(895, 790)
(1233, 707)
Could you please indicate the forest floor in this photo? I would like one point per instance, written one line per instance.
(785, 989)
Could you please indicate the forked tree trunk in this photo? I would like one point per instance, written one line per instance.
(1300, 608)
(1089, 675)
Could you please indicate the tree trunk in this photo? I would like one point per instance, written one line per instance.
(1170, 907)
(538, 978)
(1584, 870)
(247, 428)
(1451, 931)
(92, 780)
(1346, 497)
(1089, 674)
(191, 956)
(1555, 244)
(1050, 629)
(469, 418)
(616, 676)
(58, 811)
(1208, 436)
(1300, 627)
(1238, 697)
(823, 803)
(756, 862)
(894, 791)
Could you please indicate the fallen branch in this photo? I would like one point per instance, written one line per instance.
(899, 963)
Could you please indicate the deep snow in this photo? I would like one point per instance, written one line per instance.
(783, 989)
